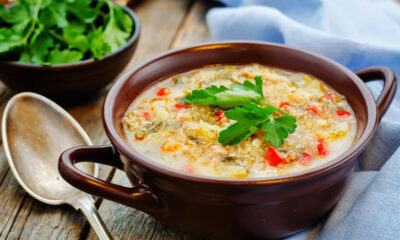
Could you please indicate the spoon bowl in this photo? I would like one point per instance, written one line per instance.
(35, 131)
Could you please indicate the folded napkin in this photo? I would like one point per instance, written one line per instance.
(356, 33)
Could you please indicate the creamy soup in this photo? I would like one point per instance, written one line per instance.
(184, 136)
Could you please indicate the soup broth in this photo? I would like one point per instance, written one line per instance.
(185, 136)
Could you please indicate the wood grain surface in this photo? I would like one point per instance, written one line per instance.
(166, 24)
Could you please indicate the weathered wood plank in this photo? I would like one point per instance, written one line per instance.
(12, 197)
(22, 217)
(160, 21)
(40, 221)
(11, 194)
(130, 223)
(194, 30)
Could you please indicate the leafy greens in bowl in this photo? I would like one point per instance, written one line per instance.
(48, 32)
(66, 72)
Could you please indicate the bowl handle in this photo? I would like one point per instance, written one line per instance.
(140, 197)
(389, 85)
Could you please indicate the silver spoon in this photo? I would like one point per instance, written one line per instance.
(35, 131)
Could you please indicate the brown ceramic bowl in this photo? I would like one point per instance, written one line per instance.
(223, 208)
(72, 81)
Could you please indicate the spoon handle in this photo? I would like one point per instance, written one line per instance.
(86, 205)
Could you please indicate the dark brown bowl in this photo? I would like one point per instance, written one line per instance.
(72, 81)
(224, 208)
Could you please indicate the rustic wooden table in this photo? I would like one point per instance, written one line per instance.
(166, 24)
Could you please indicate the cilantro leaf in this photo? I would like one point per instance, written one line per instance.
(58, 8)
(258, 87)
(277, 130)
(249, 111)
(235, 133)
(25, 56)
(82, 10)
(124, 21)
(15, 14)
(204, 96)
(247, 85)
(21, 27)
(75, 40)
(249, 120)
(9, 40)
(64, 56)
(225, 98)
(40, 48)
(58, 31)
(113, 34)
(98, 47)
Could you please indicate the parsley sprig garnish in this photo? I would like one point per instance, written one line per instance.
(246, 98)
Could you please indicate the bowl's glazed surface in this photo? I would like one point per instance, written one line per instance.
(71, 82)
(222, 208)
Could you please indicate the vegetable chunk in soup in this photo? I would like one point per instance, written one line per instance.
(240, 122)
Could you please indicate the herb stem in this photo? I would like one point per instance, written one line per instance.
(56, 36)
(92, 26)
(111, 8)
(34, 21)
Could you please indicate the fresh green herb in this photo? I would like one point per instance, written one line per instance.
(237, 96)
(250, 117)
(278, 129)
(48, 32)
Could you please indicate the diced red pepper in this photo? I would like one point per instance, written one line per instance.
(312, 109)
(187, 169)
(342, 112)
(221, 117)
(180, 106)
(147, 115)
(283, 104)
(305, 159)
(273, 158)
(163, 92)
(321, 148)
(328, 96)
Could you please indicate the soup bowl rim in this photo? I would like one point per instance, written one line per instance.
(341, 161)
